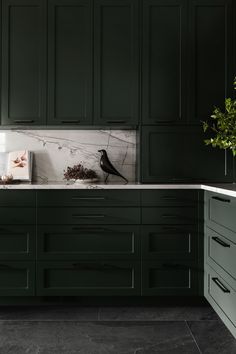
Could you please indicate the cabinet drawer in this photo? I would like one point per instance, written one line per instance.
(169, 278)
(69, 242)
(88, 278)
(168, 197)
(16, 198)
(222, 294)
(161, 241)
(17, 242)
(20, 216)
(89, 215)
(169, 215)
(88, 198)
(222, 251)
(221, 211)
(17, 278)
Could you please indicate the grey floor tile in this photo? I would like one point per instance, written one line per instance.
(96, 338)
(169, 313)
(49, 313)
(213, 337)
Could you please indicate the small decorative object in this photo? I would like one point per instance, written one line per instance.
(107, 166)
(6, 179)
(80, 173)
(19, 165)
(223, 125)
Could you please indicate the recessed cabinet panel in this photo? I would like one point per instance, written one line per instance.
(164, 61)
(179, 154)
(211, 58)
(23, 62)
(69, 62)
(169, 197)
(116, 59)
(169, 216)
(17, 216)
(85, 242)
(88, 278)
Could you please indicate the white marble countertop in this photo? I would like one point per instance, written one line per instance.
(226, 189)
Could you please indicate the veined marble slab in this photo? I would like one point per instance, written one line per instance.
(54, 150)
(227, 189)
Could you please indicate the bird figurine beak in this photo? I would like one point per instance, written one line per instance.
(99, 150)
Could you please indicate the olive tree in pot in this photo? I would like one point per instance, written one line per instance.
(223, 127)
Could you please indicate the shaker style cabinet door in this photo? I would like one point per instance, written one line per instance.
(23, 62)
(69, 62)
(211, 77)
(164, 61)
(116, 63)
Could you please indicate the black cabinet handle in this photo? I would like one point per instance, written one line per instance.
(168, 198)
(88, 198)
(100, 229)
(96, 266)
(116, 121)
(88, 216)
(223, 200)
(220, 285)
(5, 266)
(70, 121)
(218, 240)
(23, 121)
(175, 266)
(170, 216)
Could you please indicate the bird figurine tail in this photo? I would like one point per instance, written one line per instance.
(107, 166)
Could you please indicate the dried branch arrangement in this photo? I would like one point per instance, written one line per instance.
(79, 172)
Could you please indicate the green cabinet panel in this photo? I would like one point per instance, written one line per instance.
(89, 216)
(23, 62)
(86, 198)
(88, 278)
(169, 215)
(169, 241)
(86, 242)
(17, 198)
(169, 197)
(17, 278)
(116, 62)
(17, 242)
(178, 154)
(164, 61)
(221, 251)
(69, 62)
(211, 48)
(17, 216)
(169, 277)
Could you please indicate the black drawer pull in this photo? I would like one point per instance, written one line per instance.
(70, 121)
(221, 199)
(175, 266)
(220, 285)
(88, 198)
(88, 229)
(166, 216)
(169, 228)
(218, 240)
(168, 197)
(89, 216)
(96, 266)
(116, 121)
(5, 266)
(24, 121)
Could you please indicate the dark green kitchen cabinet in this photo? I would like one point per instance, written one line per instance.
(23, 62)
(69, 62)
(179, 154)
(164, 56)
(116, 62)
(211, 70)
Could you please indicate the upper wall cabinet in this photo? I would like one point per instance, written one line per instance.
(116, 62)
(164, 61)
(69, 62)
(211, 58)
(23, 62)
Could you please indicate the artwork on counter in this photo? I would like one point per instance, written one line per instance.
(19, 165)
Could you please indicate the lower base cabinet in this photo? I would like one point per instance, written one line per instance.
(169, 278)
(17, 278)
(88, 278)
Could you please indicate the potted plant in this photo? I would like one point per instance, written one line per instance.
(81, 174)
(223, 126)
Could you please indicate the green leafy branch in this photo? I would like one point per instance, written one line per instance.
(223, 125)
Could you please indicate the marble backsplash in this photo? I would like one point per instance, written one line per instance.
(54, 150)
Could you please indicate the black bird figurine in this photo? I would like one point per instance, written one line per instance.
(107, 166)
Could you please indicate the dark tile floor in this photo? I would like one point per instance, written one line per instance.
(127, 329)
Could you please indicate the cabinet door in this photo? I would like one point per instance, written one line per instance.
(164, 61)
(23, 62)
(211, 56)
(69, 62)
(116, 62)
(178, 154)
